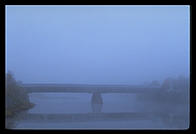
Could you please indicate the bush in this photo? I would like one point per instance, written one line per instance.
(17, 98)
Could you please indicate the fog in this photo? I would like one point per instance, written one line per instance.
(97, 44)
(96, 67)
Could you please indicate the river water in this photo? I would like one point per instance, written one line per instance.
(80, 103)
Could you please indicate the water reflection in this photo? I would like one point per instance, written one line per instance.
(96, 102)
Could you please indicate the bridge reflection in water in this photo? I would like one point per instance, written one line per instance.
(75, 117)
(86, 117)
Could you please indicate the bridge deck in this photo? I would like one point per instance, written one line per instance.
(88, 89)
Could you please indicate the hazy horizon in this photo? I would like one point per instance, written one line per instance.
(126, 45)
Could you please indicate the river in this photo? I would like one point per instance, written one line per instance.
(80, 103)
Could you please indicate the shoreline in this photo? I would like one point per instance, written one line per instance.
(10, 120)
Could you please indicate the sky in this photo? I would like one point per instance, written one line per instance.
(97, 44)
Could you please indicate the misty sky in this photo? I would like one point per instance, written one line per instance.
(97, 44)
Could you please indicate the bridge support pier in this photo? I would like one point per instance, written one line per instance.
(96, 102)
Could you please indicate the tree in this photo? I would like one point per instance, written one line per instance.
(16, 97)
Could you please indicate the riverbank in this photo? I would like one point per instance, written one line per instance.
(11, 116)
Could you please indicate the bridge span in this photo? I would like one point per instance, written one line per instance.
(31, 88)
(95, 90)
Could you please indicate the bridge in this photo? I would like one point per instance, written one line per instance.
(31, 88)
(96, 103)
(95, 90)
